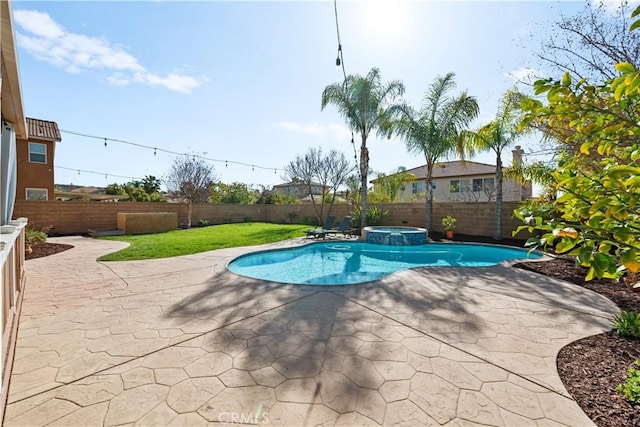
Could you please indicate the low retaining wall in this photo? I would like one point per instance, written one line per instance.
(147, 222)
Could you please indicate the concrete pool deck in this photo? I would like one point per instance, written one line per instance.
(182, 341)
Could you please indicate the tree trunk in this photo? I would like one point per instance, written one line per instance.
(428, 204)
(190, 211)
(364, 173)
(497, 233)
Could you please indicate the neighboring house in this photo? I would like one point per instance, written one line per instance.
(35, 160)
(467, 181)
(298, 188)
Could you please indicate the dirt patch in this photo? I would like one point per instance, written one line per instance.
(46, 249)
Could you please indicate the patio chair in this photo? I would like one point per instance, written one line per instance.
(344, 228)
(320, 232)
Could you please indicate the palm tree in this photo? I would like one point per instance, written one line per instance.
(367, 105)
(435, 130)
(496, 136)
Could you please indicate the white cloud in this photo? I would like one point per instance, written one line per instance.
(75, 53)
(315, 129)
(525, 75)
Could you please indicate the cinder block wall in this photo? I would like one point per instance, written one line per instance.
(77, 217)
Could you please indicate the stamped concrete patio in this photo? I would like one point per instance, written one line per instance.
(182, 341)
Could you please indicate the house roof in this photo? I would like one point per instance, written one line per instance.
(43, 129)
(453, 169)
(296, 184)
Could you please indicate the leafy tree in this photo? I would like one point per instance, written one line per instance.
(234, 193)
(367, 105)
(190, 178)
(391, 185)
(599, 186)
(135, 191)
(435, 130)
(151, 184)
(115, 189)
(330, 171)
(353, 188)
(498, 135)
(282, 199)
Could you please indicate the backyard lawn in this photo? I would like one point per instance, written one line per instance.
(195, 240)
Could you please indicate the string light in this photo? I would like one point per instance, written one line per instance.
(106, 174)
(340, 63)
(105, 143)
(175, 153)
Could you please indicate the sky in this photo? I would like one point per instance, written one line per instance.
(240, 81)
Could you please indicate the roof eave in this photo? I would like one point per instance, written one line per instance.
(12, 109)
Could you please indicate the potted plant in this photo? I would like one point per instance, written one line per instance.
(449, 223)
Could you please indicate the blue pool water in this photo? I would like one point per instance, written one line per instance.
(344, 263)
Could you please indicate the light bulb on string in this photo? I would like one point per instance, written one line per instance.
(252, 168)
(226, 165)
(105, 143)
(78, 171)
(154, 151)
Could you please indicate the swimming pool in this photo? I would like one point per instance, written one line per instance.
(345, 263)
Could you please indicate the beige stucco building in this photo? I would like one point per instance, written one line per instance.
(467, 181)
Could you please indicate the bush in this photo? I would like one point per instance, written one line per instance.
(449, 222)
(627, 324)
(33, 236)
(203, 223)
(307, 220)
(375, 215)
(631, 386)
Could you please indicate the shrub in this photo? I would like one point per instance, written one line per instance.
(631, 386)
(449, 222)
(33, 236)
(627, 323)
(203, 223)
(307, 220)
(375, 215)
(292, 216)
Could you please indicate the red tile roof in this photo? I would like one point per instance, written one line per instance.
(43, 130)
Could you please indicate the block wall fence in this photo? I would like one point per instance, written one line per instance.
(77, 217)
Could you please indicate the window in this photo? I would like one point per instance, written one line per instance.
(37, 152)
(459, 186)
(417, 187)
(481, 184)
(37, 194)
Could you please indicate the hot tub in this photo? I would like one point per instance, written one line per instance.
(395, 236)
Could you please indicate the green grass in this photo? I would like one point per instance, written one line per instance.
(195, 240)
